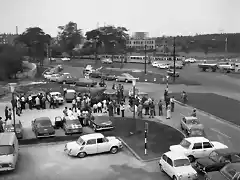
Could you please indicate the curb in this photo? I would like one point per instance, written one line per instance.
(206, 113)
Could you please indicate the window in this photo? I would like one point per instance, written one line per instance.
(185, 143)
(207, 145)
(101, 140)
(169, 161)
(164, 157)
(181, 162)
(91, 141)
(197, 146)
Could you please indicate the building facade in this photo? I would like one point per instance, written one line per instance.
(140, 44)
(140, 35)
(7, 38)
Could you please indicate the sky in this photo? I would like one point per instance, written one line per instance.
(157, 17)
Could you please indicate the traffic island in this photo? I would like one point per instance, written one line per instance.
(159, 138)
(214, 104)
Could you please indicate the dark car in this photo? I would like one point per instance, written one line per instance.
(86, 82)
(96, 74)
(18, 127)
(109, 77)
(229, 172)
(216, 160)
(100, 122)
(71, 125)
(42, 127)
(67, 79)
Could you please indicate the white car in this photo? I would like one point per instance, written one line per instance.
(125, 77)
(155, 64)
(92, 144)
(58, 95)
(65, 59)
(177, 166)
(197, 147)
(54, 77)
(163, 66)
(107, 61)
(190, 60)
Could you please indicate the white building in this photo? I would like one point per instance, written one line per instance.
(141, 43)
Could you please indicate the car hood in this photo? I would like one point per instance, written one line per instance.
(73, 145)
(205, 161)
(218, 145)
(177, 148)
(185, 170)
(102, 120)
(6, 159)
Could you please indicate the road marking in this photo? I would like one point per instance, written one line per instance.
(217, 131)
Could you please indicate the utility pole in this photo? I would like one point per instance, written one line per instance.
(226, 45)
(174, 58)
(145, 63)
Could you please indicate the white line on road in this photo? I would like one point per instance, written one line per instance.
(217, 131)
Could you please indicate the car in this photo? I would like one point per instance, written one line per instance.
(86, 82)
(177, 66)
(65, 59)
(187, 123)
(54, 77)
(107, 61)
(197, 147)
(163, 66)
(93, 144)
(70, 95)
(177, 166)
(170, 72)
(88, 69)
(197, 131)
(217, 160)
(229, 172)
(109, 77)
(96, 74)
(190, 60)
(71, 125)
(125, 77)
(18, 127)
(100, 122)
(42, 127)
(58, 95)
(155, 63)
(67, 79)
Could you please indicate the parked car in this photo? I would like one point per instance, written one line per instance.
(217, 160)
(100, 122)
(170, 72)
(67, 79)
(229, 172)
(86, 82)
(163, 66)
(96, 74)
(197, 147)
(92, 144)
(109, 77)
(58, 95)
(70, 95)
(187, 123)
(42, 127)
(88, 69)
(177, 166)
(125, 77)
(65, 59)
(18, 127)
(190, 60)
(54, 77)
(155, 63)
(107, 61)
(197, 131)
(71, 125)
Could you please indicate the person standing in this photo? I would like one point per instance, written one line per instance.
(30, 103)
(160, 107)
(23, 102)
(122, 108)
(99, 107)
(10, 114)
(95, 108)
(110, 109)
(19, 108)
(139, 110)
(168, 112)
(152, 107)
(6, 113)
(118, 108)
(65, 111)
(172, 103)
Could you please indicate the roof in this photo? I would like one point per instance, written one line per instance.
(7, 138)
(174, 155)
(92, 136)
(190, 118)
(42, 118)
(197, 139)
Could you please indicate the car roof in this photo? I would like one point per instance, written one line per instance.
(174, 155)
(7, 138)
(71, 90)
(226, 151)
(190, 118)
(196, 139)
(42, 118)
(92, 136)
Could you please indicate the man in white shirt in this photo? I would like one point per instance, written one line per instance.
(37, 100)
(30, 101)
(99, 107)
(95, 108)
(172, 103)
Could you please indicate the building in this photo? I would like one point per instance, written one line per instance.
(7, 38)
(140, 35)
(139, 44)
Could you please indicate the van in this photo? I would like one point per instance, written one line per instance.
(70, 95)
(9, 150)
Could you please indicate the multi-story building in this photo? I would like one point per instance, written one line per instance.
(7, 38)
(141, 44)
(140, 35)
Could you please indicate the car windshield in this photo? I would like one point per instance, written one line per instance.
(185, 143)
(80, 141)
(228, 171)
(214, 156)
(43, 124)
(6, 150)
(181, 162)
(75, 121)
(193, 121)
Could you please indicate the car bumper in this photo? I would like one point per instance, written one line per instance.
(72, 131)
(6, 169)
(46, 135)
(104, 128)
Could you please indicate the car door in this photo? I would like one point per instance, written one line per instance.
(169, 165)
(197, 150)
(207, 148)
(91, 146)
(102, 145)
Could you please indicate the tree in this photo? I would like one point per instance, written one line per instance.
(35, 39)
(10, 61)
(69, 36)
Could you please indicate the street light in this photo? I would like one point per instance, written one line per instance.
(145, 63)
(167, 77)
(12, 90)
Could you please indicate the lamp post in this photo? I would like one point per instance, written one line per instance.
(145, 63)
(167, 77)
(12, 89)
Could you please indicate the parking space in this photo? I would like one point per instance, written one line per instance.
(50, 162)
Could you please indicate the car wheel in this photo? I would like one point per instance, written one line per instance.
(174, 178)
(81, 155)
(161, 169)
(191, 158)
(114, 150)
